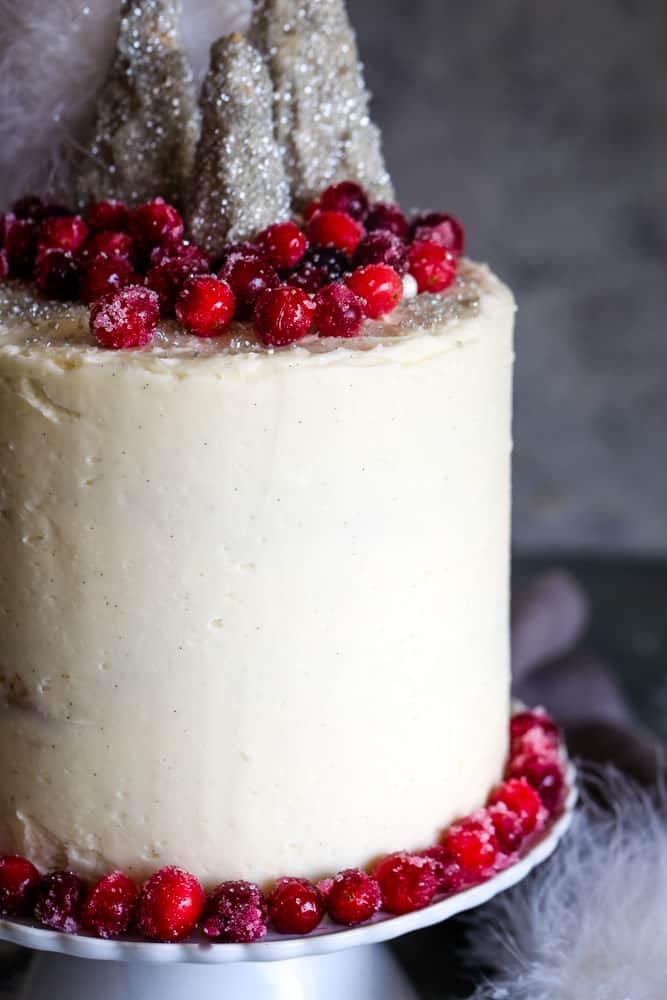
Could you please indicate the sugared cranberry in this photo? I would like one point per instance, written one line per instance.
(183, 250)
(248, 278)
(335, 229)
(382, 247)
(295, 906)
(432, 267)
(338, 311)
(57, 274)
(233, 250)
(473, 843)
(170, 905)
(4, 264)
(60, 897)
(507, 827)
(111, 215)
(348, 196)
(235, 912)
(205, 305)
(407, 881)
(353, 897)
(440, 228)
(110, 243)
(283, 315)
(522, 800)
(448, 871)
(544, 773)
(126, 318)
(18, 886)
(384, 215)
(110, 905)
(104, 274)
(283, 244)
(168, 277)
(319, 267)
(64, 232)
(28, 207)
(536, 718)
(155, 222)
(379, 288)
(20, 243)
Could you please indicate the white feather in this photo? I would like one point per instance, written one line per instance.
(54, 57)
(591, 924)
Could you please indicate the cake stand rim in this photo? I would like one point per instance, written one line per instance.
(327, 939)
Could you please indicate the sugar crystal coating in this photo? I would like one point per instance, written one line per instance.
(235, 912)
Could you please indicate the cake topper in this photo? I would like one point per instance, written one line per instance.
(146, 129)
(238, 184)
(321, 102)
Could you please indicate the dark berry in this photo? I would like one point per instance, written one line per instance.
(283, 244)
(295, 906)
(248, 278)
(522, 800)
(57, 274)
(320, 266)
(104, 274)
(508, 828)
(432, 267)
(168, 277)
(545, 773)
(205, 305)
(110, 905)
(18, 886)
(353, 897)
(4, 264)
(448, 871)
(283, 315)
(20, 243)
(473, 843)
(338, 311)
(379, 287)
(408, 882)
(232, 250)
(183, 250)
(437, 227)
(170, 905)
(348, 196)
(109, 215)
(389, 217)
(64, 232)
(126, 318)
(382, 247)
(335, 229)
(60, 897)
(28, 207)
(235, 912)
(155, 222)
(110, 243)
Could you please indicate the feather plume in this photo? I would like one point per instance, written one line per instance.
(592, 923)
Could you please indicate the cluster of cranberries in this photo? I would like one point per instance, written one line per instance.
(172, 903)
(347, 263)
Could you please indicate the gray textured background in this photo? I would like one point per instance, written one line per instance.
(543, 125)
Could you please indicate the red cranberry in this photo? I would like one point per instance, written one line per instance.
(64, 232)
(448, 871)
(126, 318)
(170, 905)
(522, 800)
(437, 227)
(295, 906)
(112, 244)
(379, 288)
(320, 266)
(338, 311)
(473, 843)
(248, 278)
(30, 206)
(205, 305)
(536, 718)
(544, 773)
(4, 264)
(382, 247)
(507, 827)
(235, 912)
(432, 267)
(183, 250)
(233, 250)
(283, 244)
(155, 222)
(389, 217)
(59, 901)
(168, 278)
(57, 274)
(408, 882)
(335, 229)
(353, 897)
(110, 905)
(348, 197)
(111, 215)
(104, 274)
(18, 886)
(283, 315)
(20, 243)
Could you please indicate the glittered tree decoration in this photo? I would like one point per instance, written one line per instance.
(146, 128)
(321, 102)
(238, 185)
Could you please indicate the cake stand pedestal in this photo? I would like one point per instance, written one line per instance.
(329, 964)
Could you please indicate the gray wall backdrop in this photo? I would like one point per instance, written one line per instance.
(543, 125)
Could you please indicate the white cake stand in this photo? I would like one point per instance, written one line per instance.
(331, 963)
